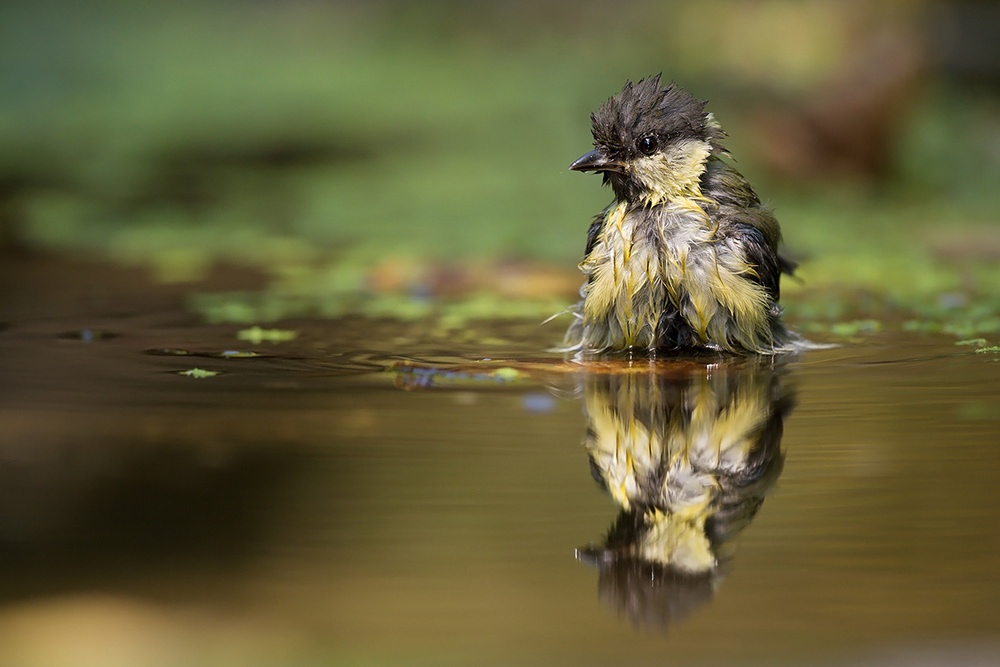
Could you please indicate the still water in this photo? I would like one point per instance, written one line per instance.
(368, 494)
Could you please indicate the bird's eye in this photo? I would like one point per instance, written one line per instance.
(648, 144)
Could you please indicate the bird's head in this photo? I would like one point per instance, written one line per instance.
(652, 142)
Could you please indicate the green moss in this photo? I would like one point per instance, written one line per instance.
(314, 145)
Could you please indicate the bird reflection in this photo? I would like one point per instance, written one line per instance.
(688, 451)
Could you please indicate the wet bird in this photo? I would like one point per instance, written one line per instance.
(686, 256)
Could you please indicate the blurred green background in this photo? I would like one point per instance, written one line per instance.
(385, 156)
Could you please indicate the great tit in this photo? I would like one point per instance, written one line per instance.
(686, 256)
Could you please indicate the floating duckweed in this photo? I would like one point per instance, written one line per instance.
(855, 327)
(256, 335)
(237, 354)
(199, 373)
(413, 376)
(396, 306)
(233, 307)
(507, 374)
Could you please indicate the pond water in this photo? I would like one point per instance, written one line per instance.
(364, 494)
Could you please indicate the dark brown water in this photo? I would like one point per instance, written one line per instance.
(309, 506)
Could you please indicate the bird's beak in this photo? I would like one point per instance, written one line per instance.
(595, 160)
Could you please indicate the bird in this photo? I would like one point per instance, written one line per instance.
(686, 256)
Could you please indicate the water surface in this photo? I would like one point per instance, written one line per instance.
(371, 494)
